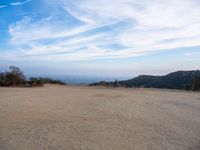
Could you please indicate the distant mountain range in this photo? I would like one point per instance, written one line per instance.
(175, 80)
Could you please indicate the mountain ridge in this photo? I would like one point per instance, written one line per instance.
(173, 80)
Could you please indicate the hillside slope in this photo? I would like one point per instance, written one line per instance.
(175, 80)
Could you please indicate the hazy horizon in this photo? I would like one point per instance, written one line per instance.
(100, 38)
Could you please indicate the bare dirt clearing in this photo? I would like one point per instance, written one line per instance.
(96, 118)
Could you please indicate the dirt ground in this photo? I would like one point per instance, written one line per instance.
(97, 118)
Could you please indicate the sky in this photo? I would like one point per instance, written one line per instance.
(100, 37)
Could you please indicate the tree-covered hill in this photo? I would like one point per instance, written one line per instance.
(175, 80)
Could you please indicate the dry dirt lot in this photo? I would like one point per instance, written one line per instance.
(97, 118)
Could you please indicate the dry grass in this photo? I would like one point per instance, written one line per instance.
(96, 118)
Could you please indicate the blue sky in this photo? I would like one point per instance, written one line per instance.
(100, 37)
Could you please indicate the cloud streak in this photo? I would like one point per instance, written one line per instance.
(103, 29)
(3, 6)
(20, 3)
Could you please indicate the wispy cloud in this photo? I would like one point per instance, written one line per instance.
(136, 27)
(3, 6)
(20, 3)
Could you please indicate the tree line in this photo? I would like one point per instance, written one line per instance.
(15, 77)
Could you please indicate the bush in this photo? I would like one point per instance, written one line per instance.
(41, 81)
(13, 77)
(35, 82)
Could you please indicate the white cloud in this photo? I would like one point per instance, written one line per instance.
(143, 27)
(3, 6)
(188, 54)
(154, 13)
(20, 3)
